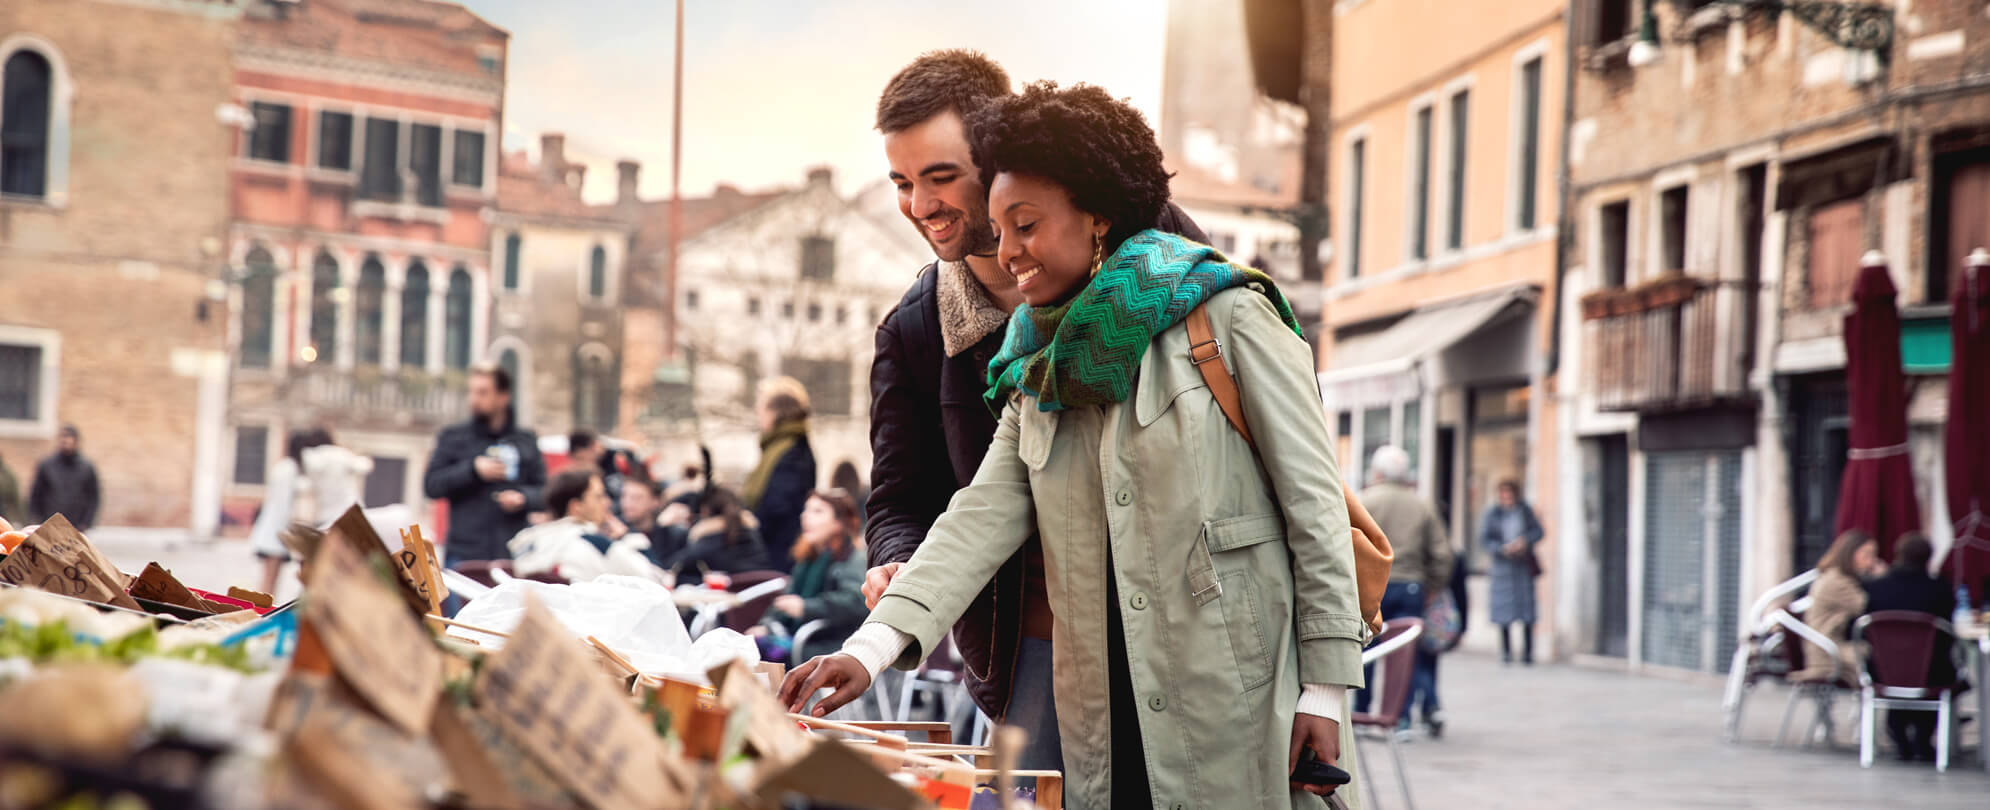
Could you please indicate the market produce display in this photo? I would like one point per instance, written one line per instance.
(139, 691)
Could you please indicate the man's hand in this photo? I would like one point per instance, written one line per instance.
(790, 604)
(836, 671)
(676, 514)
(616, 528)
(510, 500)
(1323, 736)
(876, 580)
(489, 469)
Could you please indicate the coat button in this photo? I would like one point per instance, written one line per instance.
(1124, 497)
(1138, 601)
(1157, 703)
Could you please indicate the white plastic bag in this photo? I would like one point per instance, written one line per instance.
(632, 615)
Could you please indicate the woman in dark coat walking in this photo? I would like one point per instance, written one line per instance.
(1509, 532)
(779, 487)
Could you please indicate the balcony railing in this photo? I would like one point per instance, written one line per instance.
(1678, 343)
(401, 397)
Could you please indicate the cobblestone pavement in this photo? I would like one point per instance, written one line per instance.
(1540, 737)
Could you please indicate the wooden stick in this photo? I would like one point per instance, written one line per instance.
(891, 741)
(613, 655)
(455, 623)
(937, 733)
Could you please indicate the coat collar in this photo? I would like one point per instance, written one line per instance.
(967, 313)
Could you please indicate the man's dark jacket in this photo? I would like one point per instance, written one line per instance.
(1908, 589)
(930, 429)
(65, 484)
(780, 507)
(478, 527)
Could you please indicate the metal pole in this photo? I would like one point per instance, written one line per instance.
(676, 197)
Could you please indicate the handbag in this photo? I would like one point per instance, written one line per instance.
(1372, 554)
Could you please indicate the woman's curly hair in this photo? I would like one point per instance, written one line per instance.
(1098, 148)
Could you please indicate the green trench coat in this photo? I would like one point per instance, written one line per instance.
(1233, 569)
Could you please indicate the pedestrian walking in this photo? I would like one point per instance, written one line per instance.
(929, 425)
(1508, 532)
(1166, 535)
(282, 488)
(66, 483)
(489, 470)
(336, 477)
(779, 486)
(1420, 574)
(11, 508)
(827, 584)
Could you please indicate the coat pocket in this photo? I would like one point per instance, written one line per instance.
(1222, 569)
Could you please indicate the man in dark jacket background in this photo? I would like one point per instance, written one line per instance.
(66, 483)
(1907, 586)
(489, 470)
(929, 425)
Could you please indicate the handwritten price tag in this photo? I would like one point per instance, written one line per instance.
(59, 559)
(159, 585)
(546, 693)
(381, 650)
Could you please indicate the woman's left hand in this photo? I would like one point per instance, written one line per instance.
(1323, 735)
(790, 604)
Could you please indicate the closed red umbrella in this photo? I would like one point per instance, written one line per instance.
(1967, 439)
(1877, 493)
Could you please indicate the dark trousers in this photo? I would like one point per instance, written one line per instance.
(1526, 641)
(1913, 732)
(1406, 600)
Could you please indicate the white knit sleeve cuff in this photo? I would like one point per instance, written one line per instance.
(876, 645)
(1320, 700)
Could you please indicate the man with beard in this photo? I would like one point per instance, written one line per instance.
(488, 469)
(929, 427)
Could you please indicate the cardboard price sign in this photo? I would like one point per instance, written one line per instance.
(159, 585)
(353, 756)
(359, 534)
(419, 569)
(59, 559)
(385, 654)
(547, 694)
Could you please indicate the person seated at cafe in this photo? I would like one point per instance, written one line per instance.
(826, 585)
(643, 509)
(575, 546)
(724, 540)
(1836, 598)
(1907, 586)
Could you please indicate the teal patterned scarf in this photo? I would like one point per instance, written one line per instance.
(1086, 351)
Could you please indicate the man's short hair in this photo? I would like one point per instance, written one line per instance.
(1390, 463)
(71, 432)
(1913, 552)
(957, 79)
(499, 377)
(568, 487)
(581, 439)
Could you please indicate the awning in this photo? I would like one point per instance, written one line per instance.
(1381, 366)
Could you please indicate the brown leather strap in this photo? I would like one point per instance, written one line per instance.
(1207, 353)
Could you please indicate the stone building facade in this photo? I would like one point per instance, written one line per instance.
(1709, 271)
(113, 215)
(360, 243)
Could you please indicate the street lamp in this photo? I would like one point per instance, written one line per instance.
(1857, 26)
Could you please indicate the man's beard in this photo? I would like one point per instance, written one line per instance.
(977, 237)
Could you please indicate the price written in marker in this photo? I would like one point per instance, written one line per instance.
(546, 693)
(59, 559)
(373, 642)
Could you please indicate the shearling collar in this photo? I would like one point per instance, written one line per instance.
(967, 313)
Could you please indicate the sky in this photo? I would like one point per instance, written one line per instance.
(774, 87)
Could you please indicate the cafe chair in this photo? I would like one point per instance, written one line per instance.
(1772, 651)
(756, 592)
(1394, 655)
(1900, 674)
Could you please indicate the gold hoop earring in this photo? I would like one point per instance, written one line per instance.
(1098, 257)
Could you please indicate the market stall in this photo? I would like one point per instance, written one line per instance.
(140, 691)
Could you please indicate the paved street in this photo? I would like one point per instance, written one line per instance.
(1545, 737)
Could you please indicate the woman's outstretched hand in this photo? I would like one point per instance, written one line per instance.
(835, 671)
(1320, 734)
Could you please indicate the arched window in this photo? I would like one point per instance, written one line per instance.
(597, 273)
(26, 107)
(258, 308)
(511, 262)
(324, 309)
(596, 390)
(456, 320)
(414, 317)
(368, 319)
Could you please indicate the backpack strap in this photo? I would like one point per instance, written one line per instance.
(1206, 352)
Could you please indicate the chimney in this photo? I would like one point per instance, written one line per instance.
(576, 176)
(821, 176)
(625, 181)
(553, 156)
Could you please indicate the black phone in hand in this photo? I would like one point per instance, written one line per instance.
(1312, 771)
